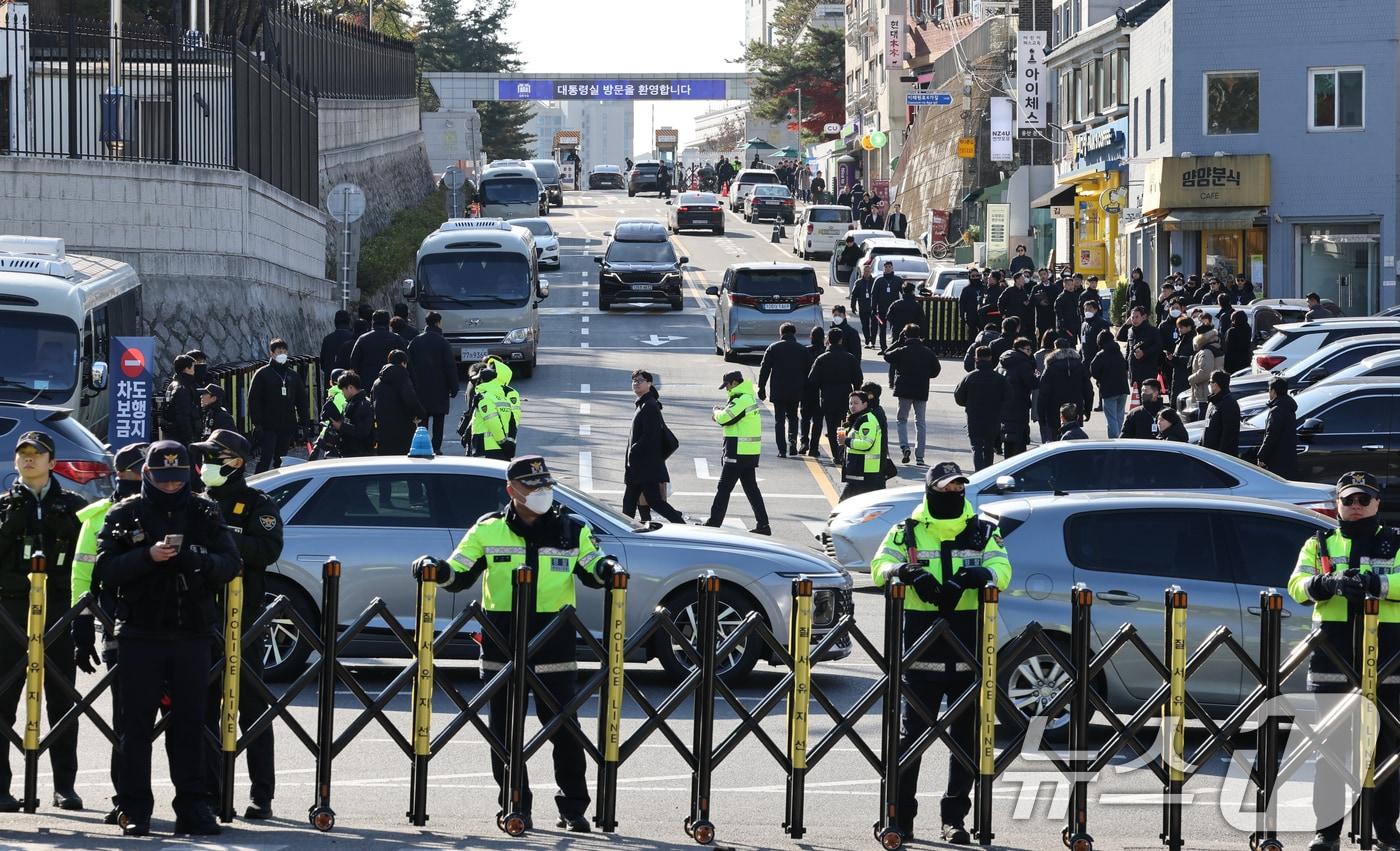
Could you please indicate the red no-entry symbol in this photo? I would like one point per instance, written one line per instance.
(133, 363)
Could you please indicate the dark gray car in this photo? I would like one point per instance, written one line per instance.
(83, 465)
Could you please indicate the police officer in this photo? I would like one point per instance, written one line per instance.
(127, 464)
(1336, 571)
(488, 429)
(532, 530)
(509, 399)
(945, 554)
(743, 440)
(36, 514)
(252, 517)
(862, 438)
(167, 553)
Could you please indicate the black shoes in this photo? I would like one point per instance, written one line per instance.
(956, 834)
(113, 816)
(782, 454)
(9, 803)
(573, 824)
(137, 827)
(1325, 842)
(762, 530)
(906, 457)
(197, 822)
(258, 810)
(67, 799)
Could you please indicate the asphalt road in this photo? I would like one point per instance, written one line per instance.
(578, 409)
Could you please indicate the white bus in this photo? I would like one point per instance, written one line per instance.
(511, 192)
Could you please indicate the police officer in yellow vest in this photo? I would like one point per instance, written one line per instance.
(534, 530)
(509, 400)
(489, 428)
(1335, 572)
(945, 554)
(743, 439)
(861, 468)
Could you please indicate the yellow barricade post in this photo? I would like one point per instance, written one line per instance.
(1370, 720)
(986, 714)
(799, 702)
(34, 674)
(610, 720)
(233, 672)
(423, 695)
(1174, 717)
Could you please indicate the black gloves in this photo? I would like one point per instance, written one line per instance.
(1355, 585)
(1324, 586)
(925, 584)
(608, 567)
(444, 573)
(84, 644)
(975, 577)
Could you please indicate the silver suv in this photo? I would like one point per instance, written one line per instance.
(755, 299)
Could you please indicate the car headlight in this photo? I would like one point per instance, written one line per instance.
(823, 607)
(518, 335)
(671, 275)
(874, 512)
(612, 275)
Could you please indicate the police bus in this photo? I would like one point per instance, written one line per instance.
(483, 276)
(58, 315)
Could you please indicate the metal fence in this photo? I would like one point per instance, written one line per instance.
(334, 59)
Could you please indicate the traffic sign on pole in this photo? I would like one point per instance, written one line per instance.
(929, 98)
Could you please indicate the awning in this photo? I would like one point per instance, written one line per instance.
(1223, 218)
(1060, 196)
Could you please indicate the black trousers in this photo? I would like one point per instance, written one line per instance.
(149, 667)
(262, 768)
(932, 687)
(867, 324)
(436, 422)
(63, 755)
(811, 426)
(272, 447)
(655, 502)
(983, 451)
(833, 419)
(883, 328)
(785, 422)
(746, 474)
(1327, 781)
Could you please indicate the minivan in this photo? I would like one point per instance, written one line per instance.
(548, 173)
(755, 299)
(639, 266)
(483, 276)
(511, 193)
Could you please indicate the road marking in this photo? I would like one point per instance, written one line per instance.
(654, 340)
(710, 494)
(583, 331)
(584, 409)
(584, 430)
(702, 470)
(583, 345)
(585, 319)
(585, 388)
(815, 468)
(585, 472)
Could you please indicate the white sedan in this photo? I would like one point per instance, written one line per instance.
(546, 240)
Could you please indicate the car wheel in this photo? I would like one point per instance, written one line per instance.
(527, 369)
(285, 650)
(604, 306)
(731, 356)
(678, 304)
(1031, 680)
(719, 231)
(733, 606)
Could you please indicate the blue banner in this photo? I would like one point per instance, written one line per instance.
(131, 405)
(610, 90)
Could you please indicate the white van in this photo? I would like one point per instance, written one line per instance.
(744, 183)
(482, 275)
(511, 193)
(819, 227)
(58, 315)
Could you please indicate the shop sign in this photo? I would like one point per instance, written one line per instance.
(894, 41)
(967, 147)
(1130, 214)
(937, 226)
(1030, 70)
(1001, 130)
(1111, 200)
(1088, 258)
(998, 227)
(1092, 141)
(1065, 211)
(1188, 182)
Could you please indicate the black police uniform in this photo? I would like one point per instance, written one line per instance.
(257, 526)
(29, 524)
(165, 619)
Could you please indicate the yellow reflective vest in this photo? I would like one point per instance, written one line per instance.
(743, 428)
(973, 544)
(492, 547)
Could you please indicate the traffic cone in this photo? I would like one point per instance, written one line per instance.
(777, 232)
(724, 190)
(422, 446)
(1133, 400)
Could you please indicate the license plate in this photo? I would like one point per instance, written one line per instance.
(777, 307)
(473, 355)
(641, 287)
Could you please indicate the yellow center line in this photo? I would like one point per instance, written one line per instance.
(814, 466)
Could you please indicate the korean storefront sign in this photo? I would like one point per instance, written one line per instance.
(998, 225)
(894, 41)
(1001, 130)
(1186, 182)
(1030, 71)
(132, 403)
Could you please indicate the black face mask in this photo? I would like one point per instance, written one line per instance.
(164, 501)
(1363, 528)
(126, 488)
(944, 505)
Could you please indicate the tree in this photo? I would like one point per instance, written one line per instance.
(815, 64)
(729, 136)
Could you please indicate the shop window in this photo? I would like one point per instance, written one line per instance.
(1337, 99)
(1078, 94)
(1093, 81)
(1231, 102)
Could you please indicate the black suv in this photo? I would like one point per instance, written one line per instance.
(640, 266)
(643, 178)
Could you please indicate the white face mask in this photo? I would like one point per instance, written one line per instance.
(280, 358)
(540, 501)
(838, 320)
(213, 475)
(1090, 314)
(1174, 312)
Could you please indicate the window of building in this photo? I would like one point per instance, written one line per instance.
(1099, 94)
(1231, 102)
(1134, 122)
(1337, 99)
(1147, 120)
(1162, 110)
(1074, 24)
(1062, 99)
(1123, 78)
(1110, 76)
(1078, 82)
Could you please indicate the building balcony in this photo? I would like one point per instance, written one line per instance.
(859, 100)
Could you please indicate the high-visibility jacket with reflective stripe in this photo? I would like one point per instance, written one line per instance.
(972, 543)
(1385, 560)
(92, 517)
(489, 417)
(503, 550)
(743, 428)
(863, 457)
(508, 398)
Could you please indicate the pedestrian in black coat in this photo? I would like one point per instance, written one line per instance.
(371, 350)
(1184, 349)
(1170, 426)
(914, 366)
(982, 393)
(354, 426)
(333, 342)
(850, 258)
(908, 310)
(1089, 329)
(1141, 423)
(986, 337)
(648, 446)
(969, 300)
(1015, 300)
(812, 418)
(884, 293)
(1043, 295)
(397, 409)
(1018, 367)
(836, 372)
(357, 329)
(1279, 451)
(1239, 343)
(850, 335)
(860, 302)
(181, 419)
(434, 374)
(1065, 379)
(211, 400)
(1144, 347)
(782, 377)
(1010, 330)
(277, 406)
(1139, 292)
(1071, 428)
(1222, 416)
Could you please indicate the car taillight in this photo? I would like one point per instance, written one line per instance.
(82, 472)
(743, 300)
(809, 227)
(1268, 362)
(787, 202)
(1326, 509)
(808, 300)
(682, 209)
(716, 209)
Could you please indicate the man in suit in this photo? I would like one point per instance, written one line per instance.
(897, 223)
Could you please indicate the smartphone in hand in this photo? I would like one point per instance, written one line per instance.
(174, 542)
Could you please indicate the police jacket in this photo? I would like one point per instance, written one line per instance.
(176, 598)
(1372, 550)
(863, 449)
(357, 427)
(944, 549)
(982, 392)
(784, 370)
(277, 398)
(915, 366)
(433, 370)
(215, 418)
(252, 517)
(835, 373)
(181, 418)
(30, 524)
(742, 424)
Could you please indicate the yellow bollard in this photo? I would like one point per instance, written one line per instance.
(617, 636)
(34, 674)
(233, 673)
(1370, 717)
(800, 643)
(1174, 722)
